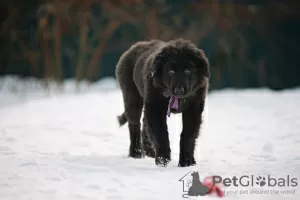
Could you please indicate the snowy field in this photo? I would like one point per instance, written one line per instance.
(68, 146)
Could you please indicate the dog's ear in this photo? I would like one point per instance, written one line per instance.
(203, 63)
(156, 66)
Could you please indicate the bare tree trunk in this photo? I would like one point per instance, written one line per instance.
(91, 68)
(57, 49)
(152, 29)
(82, 49)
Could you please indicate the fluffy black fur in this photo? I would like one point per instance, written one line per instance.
(148, 74)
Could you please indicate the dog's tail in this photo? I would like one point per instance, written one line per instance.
(122, 119)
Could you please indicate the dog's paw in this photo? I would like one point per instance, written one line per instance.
(162, 161)
(163, 157)
(150, 152)
(135, 153)
(186, 162)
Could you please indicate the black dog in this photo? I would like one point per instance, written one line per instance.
(163, 77)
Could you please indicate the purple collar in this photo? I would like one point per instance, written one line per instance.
(173, 103)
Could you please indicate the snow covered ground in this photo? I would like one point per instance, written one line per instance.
(69, 146)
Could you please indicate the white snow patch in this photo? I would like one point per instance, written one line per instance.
(69, 146)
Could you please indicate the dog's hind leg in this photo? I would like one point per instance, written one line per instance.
(133, 104)
(133, 111)
(147, 142)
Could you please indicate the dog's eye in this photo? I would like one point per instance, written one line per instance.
(171, 72)
(187, 72)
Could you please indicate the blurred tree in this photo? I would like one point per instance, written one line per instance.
(249, 43)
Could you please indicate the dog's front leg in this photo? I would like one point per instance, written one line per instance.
(155, 117)
(191, 120)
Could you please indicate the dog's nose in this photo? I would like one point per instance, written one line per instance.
(179, 91)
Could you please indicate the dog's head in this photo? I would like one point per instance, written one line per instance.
(179, 67)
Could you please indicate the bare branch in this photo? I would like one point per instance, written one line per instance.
(100, 48)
